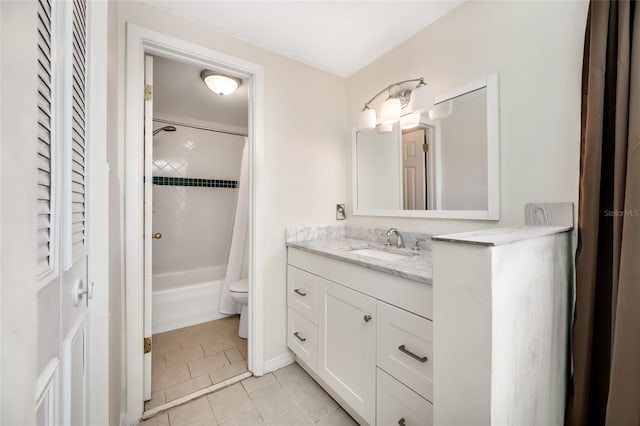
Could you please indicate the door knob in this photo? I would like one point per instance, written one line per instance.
(156, 235)
(80, 290)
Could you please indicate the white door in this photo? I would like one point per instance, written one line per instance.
(148, 210)
(413, 170)
(347, 346)
(63, 294)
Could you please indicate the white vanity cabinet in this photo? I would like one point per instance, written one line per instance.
(367, 340)
(347, 345)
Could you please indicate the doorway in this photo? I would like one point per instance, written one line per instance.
(418, 168)
(195, 214)
(139, 293)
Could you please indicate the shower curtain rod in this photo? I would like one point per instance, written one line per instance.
(177, 123)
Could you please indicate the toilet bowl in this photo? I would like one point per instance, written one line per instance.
(239, 291)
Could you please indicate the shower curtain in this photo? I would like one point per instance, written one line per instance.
(237, 267)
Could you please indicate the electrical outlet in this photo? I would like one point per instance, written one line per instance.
(341, 213)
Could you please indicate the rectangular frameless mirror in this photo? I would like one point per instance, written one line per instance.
(446, 167)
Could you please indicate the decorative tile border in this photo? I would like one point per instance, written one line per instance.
(202, 183)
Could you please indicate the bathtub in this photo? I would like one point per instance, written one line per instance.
(184, 298)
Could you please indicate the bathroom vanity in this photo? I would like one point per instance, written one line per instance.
(479, 336)
(360, 322)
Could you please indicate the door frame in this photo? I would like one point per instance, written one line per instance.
(97, 322)
(141, 41)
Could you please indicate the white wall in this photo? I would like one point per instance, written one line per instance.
(536, 49)
(196, 223)
(304, 169)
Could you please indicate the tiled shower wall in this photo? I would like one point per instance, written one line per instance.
(194, 197)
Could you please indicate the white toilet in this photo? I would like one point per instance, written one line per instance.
(240, 293)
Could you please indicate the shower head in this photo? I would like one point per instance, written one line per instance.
(165, 128)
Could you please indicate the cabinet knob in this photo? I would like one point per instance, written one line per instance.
(367, 318)
(156, 235)
(401, 422)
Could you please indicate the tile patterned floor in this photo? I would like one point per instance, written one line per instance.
(191, 358)
(286, 397)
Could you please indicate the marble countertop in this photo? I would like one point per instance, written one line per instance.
(500, 236)
(415, 266)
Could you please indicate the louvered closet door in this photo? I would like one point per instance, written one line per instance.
(74, 275)
(78, 131)
(62, 205)
(44, 136)
(49, 142)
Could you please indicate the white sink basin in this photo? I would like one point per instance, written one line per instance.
(379, 254)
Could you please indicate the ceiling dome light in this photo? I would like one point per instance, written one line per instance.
(220, 84)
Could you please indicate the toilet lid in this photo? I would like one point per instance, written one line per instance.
(241, 286)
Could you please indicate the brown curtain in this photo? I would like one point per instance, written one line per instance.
(605, 387)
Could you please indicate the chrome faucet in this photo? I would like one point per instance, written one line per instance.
(399, 240)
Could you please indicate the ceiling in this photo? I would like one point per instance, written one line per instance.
(340, 37)
(179, 91)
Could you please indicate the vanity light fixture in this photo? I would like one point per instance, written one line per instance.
(416, 100)
(220, 84)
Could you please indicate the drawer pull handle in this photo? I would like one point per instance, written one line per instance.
(301, 293)
(403, 349)
(302, 339)
(401, 422)
(367, 318)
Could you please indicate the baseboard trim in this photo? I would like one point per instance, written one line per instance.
(278, 362)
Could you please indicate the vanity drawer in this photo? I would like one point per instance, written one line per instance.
(395, 402)
(302, 338)
(405, 348)
(302, 293)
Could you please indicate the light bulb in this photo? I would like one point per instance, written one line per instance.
(367, 118)
(390, 111)
(422, 99)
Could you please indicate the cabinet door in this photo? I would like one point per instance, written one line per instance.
(347, 346)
